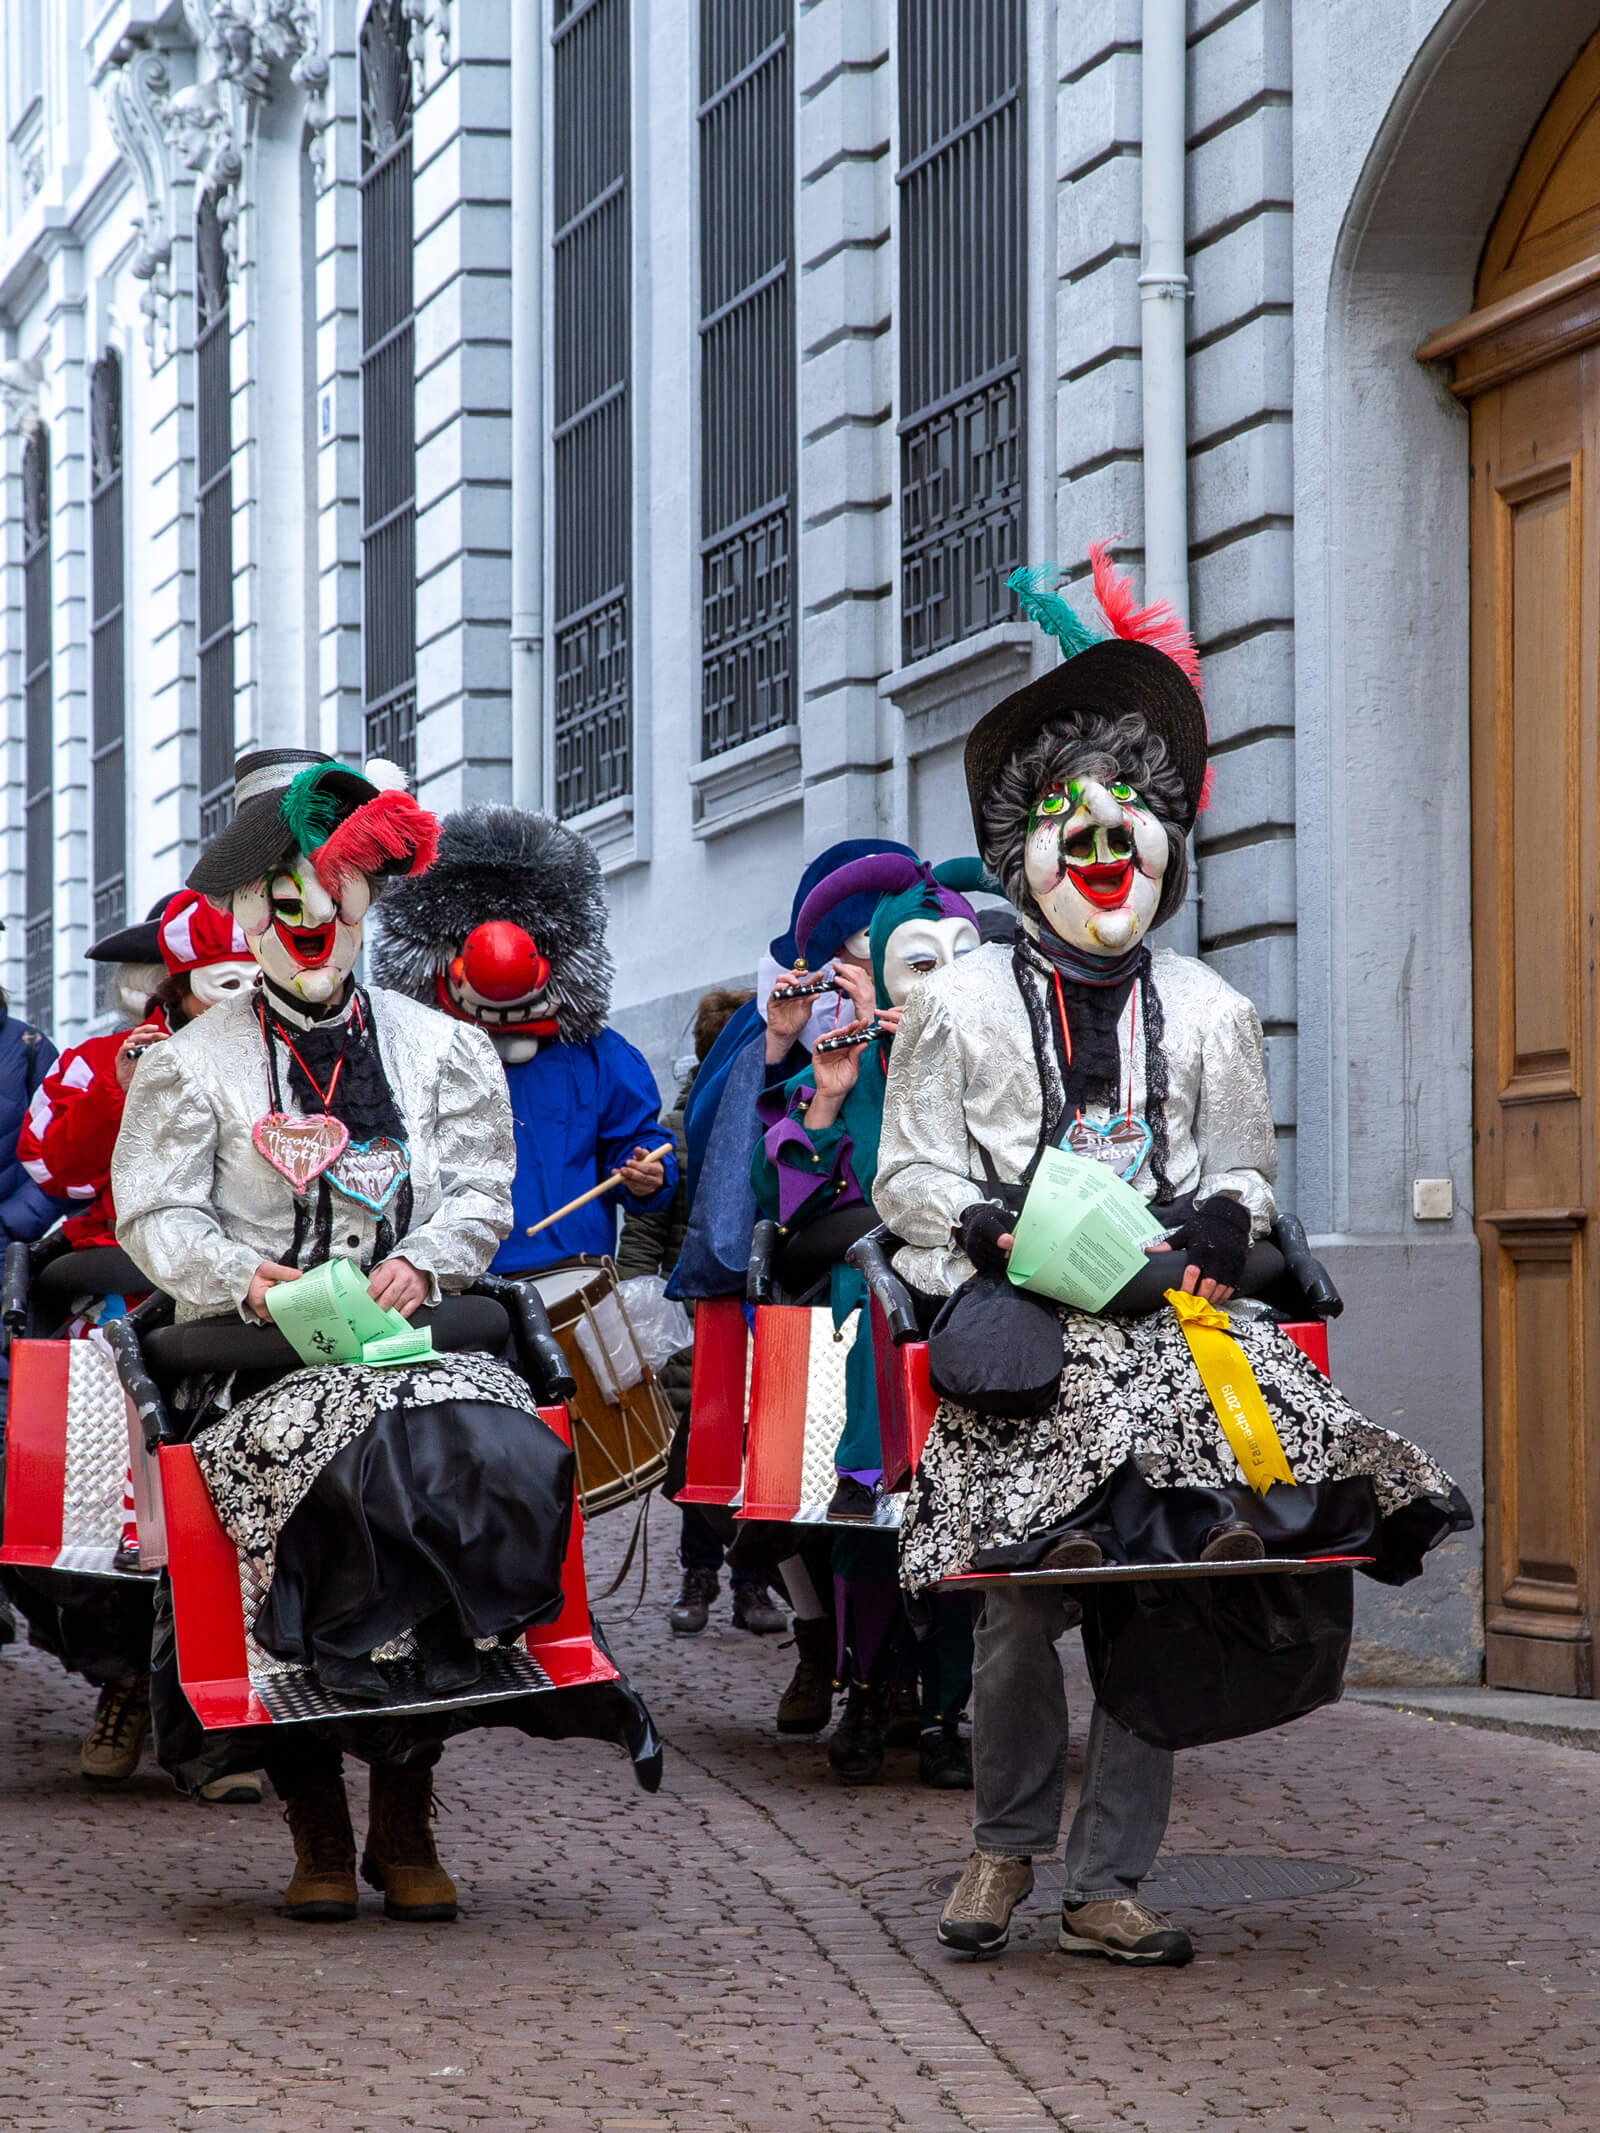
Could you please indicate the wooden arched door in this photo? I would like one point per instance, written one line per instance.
(1528, 362)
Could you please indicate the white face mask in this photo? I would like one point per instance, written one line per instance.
(1094, 860)
(919, 946)
(305, 941)
(221, 981)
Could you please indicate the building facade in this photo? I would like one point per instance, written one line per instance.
(634, 407)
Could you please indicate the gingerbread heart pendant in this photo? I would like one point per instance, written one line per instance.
(299, 1148)
(370, 1171)
(1123, 1142)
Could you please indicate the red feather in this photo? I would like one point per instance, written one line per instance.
(1156, 625)
(1205, 788)
(381, 831)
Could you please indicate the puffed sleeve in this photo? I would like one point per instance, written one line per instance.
(1233, 1117)
(924, 1184)
(476, 1155)
(162, 1180)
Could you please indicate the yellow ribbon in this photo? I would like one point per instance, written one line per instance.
(1231, 1386)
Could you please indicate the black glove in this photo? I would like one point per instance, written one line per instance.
(1217, 1238)
(979, 1231)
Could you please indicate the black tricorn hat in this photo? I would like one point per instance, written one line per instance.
(1114, 677)
(133, 944)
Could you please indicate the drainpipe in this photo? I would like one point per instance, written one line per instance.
(1163, 331)
(527, 404)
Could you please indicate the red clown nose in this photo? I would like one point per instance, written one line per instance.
(500, 962)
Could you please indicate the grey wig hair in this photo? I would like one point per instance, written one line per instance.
(1123, 750)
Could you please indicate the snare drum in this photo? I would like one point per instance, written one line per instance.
(621, 1422)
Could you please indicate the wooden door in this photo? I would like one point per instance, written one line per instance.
(1528, 362)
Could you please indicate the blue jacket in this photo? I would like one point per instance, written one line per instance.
(579, 1110)
(26, 1056)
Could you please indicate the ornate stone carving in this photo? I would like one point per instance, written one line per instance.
(138, 91)
(20, 384)
(430, 20)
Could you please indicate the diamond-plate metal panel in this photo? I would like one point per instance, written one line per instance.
(294, 1696)
(825, 1404)
(97, 1450)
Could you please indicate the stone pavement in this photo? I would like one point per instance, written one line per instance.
(751, 1950)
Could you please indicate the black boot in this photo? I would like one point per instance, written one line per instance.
(944, 1760)
(451, 1662)
(807, 1703)
(351, 1680)
(855, 1752)
(691, 1609)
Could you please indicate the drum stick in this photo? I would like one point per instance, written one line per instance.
(582, 1200)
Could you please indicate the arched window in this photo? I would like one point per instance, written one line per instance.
(962, 316)
(593, 505)
(213, 412)
(388, 389)
(747, 398)
(39, 918)
(108, 751)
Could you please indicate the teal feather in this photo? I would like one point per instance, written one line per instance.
(1044, 607)
(967, 876)
(309, 814)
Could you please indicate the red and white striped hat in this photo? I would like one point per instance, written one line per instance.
(194, 933)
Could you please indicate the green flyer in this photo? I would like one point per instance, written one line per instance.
(328, 1317)
(1082, 1231)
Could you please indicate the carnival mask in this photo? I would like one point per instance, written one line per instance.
(500, 981)
(919, 946)
(1094, 860)
(214, 982)
(305, 940)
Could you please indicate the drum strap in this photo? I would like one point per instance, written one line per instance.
(641, 1526)
(1231, 1385)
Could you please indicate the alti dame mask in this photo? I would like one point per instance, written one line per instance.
(1094, 860)
(305, 941)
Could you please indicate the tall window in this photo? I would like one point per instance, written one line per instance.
(593, 462)
(962, 315)
(39, 920)
(213, 408)
(388, 389)
(747, 407)
(107, 757)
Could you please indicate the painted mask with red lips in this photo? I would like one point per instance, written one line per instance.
(305, 939)
(1094, 859)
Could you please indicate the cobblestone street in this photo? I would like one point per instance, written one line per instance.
(753, 1948)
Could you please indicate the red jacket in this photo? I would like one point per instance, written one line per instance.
(71, 1128)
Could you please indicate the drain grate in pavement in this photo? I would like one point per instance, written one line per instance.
(1207, 1881)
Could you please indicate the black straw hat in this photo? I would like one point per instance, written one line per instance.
(1116, 676)
(258, 840)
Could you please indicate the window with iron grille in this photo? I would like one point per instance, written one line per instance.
(38, 807)
(108, 776)
(388, 390)
(747, 410)
(962, 315)
(213, 414)
(592, 507)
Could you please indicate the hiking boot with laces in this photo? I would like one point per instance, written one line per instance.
(755, 1609)
(399, 1855)
(240, 1788)
(1123, 1930)
(806, 1704)
(323, 1891)
(976, 1917)
(110, 1751)
(691, 1610)
(944, 1759)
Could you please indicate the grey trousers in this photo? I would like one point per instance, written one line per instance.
(1019, 1756)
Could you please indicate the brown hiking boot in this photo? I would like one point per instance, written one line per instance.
(323, 1891)
(976, 1918)
(399, 1857)
(110, 1751)
(806, 1704)
(1124, 1931)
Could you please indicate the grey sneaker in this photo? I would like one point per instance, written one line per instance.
(977, 1913)
(1124, 1931)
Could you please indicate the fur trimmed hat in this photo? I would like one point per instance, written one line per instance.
(503, 863)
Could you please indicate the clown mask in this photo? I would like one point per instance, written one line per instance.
(305, 940)
(1094, 860)
(501, 981)
(919, 946)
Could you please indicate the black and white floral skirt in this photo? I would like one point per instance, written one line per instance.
(1132, 1453)
(368, 1501)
